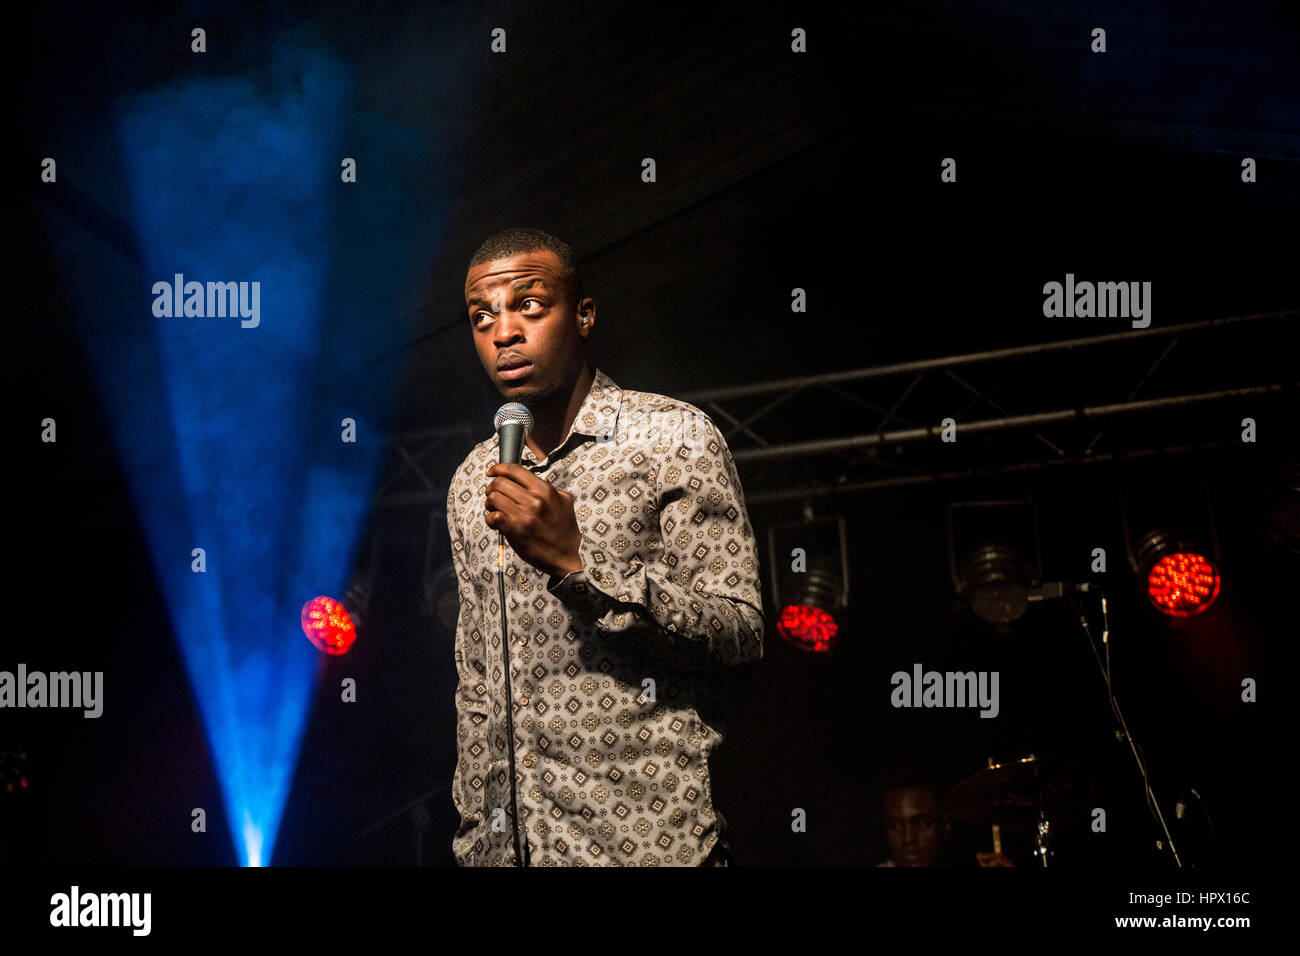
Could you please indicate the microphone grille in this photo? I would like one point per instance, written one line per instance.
(513, 412)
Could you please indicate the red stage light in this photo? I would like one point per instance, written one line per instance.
(328, 625)
(1183, 583)
(808, 628)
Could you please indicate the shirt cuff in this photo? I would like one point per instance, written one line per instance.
(588, 589)
(575, 591)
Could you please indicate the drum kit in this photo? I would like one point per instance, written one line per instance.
(1022, 796)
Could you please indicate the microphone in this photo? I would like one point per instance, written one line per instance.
(513, 422)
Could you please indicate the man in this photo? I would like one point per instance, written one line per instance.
(631, 573)
(914, 827)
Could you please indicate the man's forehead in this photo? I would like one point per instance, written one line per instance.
(497, 272)
(909, 801)
(908, 812)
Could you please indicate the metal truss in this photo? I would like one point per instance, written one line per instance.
(753, 444)
(908, 415)
(416, 470)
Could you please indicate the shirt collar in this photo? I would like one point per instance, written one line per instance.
(597, 417)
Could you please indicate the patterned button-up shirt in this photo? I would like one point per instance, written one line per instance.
(611, 756)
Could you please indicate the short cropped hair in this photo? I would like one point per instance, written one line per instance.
(516, 241)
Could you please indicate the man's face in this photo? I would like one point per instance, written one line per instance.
(912, 827)
(521, 310)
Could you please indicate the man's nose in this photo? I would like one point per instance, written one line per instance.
(508, 327)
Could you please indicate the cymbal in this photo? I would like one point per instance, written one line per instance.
(1007, 794)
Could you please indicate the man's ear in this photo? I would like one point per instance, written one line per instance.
(587, 315)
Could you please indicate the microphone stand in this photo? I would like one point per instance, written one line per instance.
(513, 422)
(520, 858)
(1152, 803)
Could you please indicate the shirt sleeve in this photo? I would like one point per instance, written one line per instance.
(471, 704)
(697, 602)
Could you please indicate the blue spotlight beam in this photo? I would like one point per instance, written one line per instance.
(229, 435)
(227, 186)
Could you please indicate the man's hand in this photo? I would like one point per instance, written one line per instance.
(536, 518)
(994, 859)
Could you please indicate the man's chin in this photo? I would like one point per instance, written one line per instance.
(510, 387)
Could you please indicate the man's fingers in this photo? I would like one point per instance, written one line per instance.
(507, 490)
(516, 473)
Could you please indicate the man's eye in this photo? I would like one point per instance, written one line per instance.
(478, 318)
